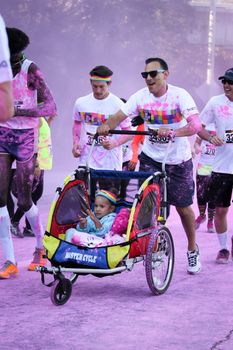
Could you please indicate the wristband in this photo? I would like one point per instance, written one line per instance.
(210, 138)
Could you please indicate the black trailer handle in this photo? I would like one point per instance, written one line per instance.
(129, 132)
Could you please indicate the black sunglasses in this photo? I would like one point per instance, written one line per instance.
(152, 73)
(224, 81)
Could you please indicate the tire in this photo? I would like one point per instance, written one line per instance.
(61, 291)
(159, 262)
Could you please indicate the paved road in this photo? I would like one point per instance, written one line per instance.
(119, 312)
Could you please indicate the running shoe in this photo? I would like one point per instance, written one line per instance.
(223, 256)
(28, 232)
(15, 230)
(199, 220)
(210, 226)
(8, 269)
(194, 264)
(38, 259)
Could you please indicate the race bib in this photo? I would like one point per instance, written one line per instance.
(125, 150)
(158, 139)
(229, 136)
(98, 141)
(210, 150)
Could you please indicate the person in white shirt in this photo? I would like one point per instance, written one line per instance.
(6, 98)
(90, 111)
(219, 110)
(170, 111)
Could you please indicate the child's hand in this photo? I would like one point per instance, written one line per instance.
(91, 214)
(82, 222)
(94, 219)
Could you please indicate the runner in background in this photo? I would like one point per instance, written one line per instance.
(203, 175)
(43, 162)
(18, 141)
(6, 98)
(219, 110)
(90, 111)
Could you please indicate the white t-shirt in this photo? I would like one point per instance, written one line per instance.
(5, 67)
(207, 156)
(127, 151)
(92, 113)
(208, 149)
(170, 110)
(219, 110)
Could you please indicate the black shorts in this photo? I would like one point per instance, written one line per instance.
(180, 187)
(221, 189)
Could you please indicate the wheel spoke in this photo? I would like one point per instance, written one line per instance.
(160, 260)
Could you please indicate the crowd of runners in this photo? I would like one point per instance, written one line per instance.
(27, 108)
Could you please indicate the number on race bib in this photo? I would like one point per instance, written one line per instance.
(229, 136)
(98, 142)
(158, 139)
(210, 151)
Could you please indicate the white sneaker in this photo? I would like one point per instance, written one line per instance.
(194, 264)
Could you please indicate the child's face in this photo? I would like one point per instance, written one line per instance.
(102, 207)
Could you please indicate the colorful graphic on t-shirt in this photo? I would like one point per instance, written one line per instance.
(163, 116)
(92, 118)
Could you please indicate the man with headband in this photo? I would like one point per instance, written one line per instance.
(91, 111)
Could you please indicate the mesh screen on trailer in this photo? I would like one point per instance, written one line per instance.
(147, 213)
(73, 205)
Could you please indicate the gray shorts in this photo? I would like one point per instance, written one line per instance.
(180, 186)
(19, 143)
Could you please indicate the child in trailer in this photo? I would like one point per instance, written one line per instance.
(101, 227)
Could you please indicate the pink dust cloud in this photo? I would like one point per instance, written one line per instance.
(68, 38)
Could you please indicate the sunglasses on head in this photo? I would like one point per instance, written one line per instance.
(230, 82)
(152, 73)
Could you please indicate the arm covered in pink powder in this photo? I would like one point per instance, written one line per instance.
(46, 106)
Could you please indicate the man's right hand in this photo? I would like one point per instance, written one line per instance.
(103, 129)
(76, 151)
